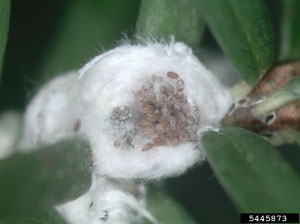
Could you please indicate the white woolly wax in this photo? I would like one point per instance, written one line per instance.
(53, 114)
(126, 97)
(139, 106)
(108, 201)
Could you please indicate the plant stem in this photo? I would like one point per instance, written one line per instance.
(271, 108)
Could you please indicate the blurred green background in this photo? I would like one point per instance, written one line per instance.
(49, 37)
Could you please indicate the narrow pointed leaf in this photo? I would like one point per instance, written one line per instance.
(290, 32)
(160, 19)
(4, 25)
(244, 32)
(45, 177)
(253, 173)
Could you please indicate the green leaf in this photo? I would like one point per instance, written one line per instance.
(290, 32)
(11, 125)
(48, 176)
(165, 209)
(31, 220)
(49, 216)
(4, 25)
(244, 32)
(84, 30)
(162, 18)
(278, 99)
(298, 140)
(253, 173)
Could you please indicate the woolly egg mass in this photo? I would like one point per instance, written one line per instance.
(145, 105)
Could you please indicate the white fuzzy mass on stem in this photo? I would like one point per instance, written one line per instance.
(141, 108)
(146, 104)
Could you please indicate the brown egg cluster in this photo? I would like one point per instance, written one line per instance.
(166, 116)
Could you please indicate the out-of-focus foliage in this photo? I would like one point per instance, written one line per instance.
(48, 176)
(244, 31)
(161, 19)
(253, 173)
(85, 30)
(44, 216)
(4, 25)
(165, 209)
(290, 32)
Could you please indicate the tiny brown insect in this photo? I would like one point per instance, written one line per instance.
(172, 75)
(174, 140)
(147, 108)
(76, 126)
(153, 117)
(147, 147)
(145, 124)
(159, 141)
(149, 132)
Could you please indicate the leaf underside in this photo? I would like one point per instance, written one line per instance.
(253, 173)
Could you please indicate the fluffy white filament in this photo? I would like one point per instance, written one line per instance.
(109, 202)
(53, 114)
